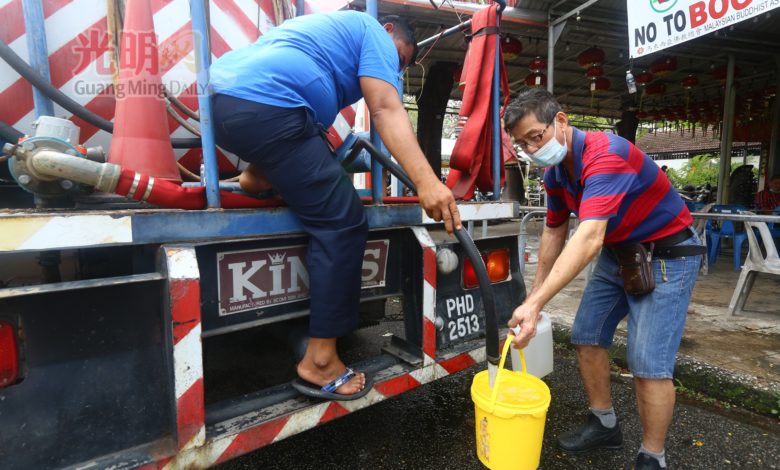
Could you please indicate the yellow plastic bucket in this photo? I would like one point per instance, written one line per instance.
(510, 417)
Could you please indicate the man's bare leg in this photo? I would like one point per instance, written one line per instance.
(321, 365)
(655, 399)
(253, 180)
(594, 369)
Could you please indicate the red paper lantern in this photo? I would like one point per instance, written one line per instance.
(644, 78)
(511, 47)
(664, 66)
(689, 82)
(719, 73)
(536, 80)
(655, 89)
(591, 57)
(600, 85)
(594, 72)
(537, 65)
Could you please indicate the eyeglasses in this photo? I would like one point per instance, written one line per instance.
(535, 141)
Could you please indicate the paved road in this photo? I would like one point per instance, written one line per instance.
(433, 428)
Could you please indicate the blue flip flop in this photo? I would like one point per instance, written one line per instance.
(328, 391)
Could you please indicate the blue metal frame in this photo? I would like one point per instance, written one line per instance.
(496, 105)
(377, 184)
(203, 59)
(495, 93)
(186, 226)
(444, 34)
(35, 32)
(200, 33)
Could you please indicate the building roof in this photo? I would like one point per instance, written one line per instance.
(604, 24)
(685, 143)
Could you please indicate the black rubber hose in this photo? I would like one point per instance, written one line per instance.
(386, 162)
(28, 73)
(9, 134)
(488, 300)
(181, 106)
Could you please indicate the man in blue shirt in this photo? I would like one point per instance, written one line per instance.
(273, 101)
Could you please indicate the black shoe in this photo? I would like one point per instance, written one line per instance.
(646, 462)
(592, 435)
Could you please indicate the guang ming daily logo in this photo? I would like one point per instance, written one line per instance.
(662, 6)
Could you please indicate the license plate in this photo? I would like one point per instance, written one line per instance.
(461, 319)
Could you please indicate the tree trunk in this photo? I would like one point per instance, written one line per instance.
(432, 106)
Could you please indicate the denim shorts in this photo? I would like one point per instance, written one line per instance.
(655, 320)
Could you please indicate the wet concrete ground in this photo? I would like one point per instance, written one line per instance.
(432, 427)
(746, 344)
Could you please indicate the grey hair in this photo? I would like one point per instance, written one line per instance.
(538, 101)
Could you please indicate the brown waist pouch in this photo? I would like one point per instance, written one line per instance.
(636, 267)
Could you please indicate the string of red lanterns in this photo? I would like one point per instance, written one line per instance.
(663, 66)
(537, 77)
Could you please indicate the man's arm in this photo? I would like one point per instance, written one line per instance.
(550, 247)
(580, 250)
(392, 122)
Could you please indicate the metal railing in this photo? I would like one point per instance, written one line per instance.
(737, 217)
(530, 212)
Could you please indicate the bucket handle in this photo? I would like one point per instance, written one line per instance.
(507, 345)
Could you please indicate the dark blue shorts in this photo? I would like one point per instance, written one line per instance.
(288, 145)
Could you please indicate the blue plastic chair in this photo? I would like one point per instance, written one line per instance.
(774, 229)
(694, 206)
(726, 230)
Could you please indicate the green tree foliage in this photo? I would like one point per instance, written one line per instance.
(698, 171)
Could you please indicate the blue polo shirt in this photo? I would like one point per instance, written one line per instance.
(313, 61)
(615, 180)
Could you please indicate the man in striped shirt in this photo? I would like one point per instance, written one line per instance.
(769, 198)
(620, 197)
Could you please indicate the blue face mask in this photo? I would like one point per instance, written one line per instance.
(551, 153)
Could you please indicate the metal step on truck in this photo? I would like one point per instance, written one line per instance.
(137, 336)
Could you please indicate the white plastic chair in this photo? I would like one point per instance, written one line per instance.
(754, 264)
(700, 226)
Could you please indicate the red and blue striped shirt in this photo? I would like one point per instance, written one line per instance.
(767, 200)
(615, 180)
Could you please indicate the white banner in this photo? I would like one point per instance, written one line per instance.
(654, 25)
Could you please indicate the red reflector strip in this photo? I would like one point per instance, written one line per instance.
(9, 355)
